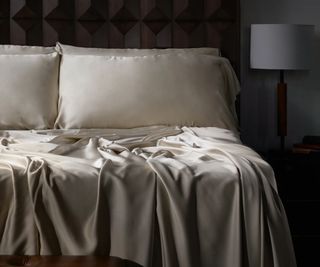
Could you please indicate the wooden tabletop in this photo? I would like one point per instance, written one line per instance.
(65, 261)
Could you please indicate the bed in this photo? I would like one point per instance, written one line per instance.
(103, 172)
(135, 153)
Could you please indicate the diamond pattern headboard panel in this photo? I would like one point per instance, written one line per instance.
(123, 23)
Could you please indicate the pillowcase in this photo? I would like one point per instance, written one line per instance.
(28, 90)
(25, 50)
(126, 92)
(74, 50)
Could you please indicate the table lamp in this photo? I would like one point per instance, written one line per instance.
(281, 47)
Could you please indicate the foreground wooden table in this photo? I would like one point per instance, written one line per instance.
(64, 261)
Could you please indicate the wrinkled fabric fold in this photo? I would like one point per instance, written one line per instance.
(158, 196)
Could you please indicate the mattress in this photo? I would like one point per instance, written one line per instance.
(157, 196)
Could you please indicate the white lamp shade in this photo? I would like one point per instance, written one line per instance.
(281, 46)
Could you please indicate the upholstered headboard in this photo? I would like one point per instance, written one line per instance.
(123, 23)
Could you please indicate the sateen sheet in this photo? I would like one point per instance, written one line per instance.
(157, 196)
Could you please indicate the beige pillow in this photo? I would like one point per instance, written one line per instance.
(73, 50)
(25, 50)
(127, 92)
(28, 91)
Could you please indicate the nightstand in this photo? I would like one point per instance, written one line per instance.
(298, 179)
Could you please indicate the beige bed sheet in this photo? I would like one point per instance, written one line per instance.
(158, 196)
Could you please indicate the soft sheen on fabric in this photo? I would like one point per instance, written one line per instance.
(157, 196)
(127, 92)
(74, 50)
(25, 50)
(28, 90)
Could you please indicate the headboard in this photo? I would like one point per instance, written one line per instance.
(123, 23)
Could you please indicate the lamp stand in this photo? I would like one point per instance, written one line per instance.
(282, 110)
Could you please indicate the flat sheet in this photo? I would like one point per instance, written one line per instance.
(158, 196)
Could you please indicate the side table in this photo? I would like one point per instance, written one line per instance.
(298, 179)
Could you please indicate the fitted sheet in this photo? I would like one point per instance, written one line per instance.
(158, 196)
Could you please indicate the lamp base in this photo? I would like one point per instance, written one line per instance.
(282, 112)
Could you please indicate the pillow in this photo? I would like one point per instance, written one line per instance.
(73, 50)
(28, 90)
(127, 92)
(25, 50)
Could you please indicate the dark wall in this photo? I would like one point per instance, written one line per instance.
(123, 23)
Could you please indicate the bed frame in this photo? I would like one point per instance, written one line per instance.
(124, 23)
